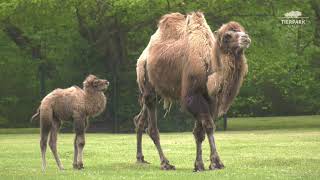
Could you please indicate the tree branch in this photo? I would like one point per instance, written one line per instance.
(16, 35)
(83, 28)
(22, 41)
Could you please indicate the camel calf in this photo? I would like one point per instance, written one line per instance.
(71, 103)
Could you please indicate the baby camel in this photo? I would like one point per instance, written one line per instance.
(71, 103)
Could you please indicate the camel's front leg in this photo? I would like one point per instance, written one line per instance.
(198, 106)
(199, 136)
(216, 163)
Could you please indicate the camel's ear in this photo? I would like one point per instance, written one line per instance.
(199, 13)
(216, 34)
(188, 19)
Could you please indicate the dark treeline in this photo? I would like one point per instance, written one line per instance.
(46, 44)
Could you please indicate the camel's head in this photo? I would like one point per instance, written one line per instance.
(92, 83)
(232, 37)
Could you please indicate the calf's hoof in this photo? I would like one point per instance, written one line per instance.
(198, 166)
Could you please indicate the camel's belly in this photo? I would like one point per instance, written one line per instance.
(166, 80)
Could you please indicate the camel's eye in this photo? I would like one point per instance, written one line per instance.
(227, 37)
(95, 82)
(234, 30)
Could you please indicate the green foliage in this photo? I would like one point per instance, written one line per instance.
(66, 40)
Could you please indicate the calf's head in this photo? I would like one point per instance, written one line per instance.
(93, 83)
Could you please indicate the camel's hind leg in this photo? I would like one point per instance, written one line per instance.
(75, 157)
(153, 131)
(45, 126)
(53, 141)
(139, 122)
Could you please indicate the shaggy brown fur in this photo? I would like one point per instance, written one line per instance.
(71, 103)
(184, 61)
(230, 65)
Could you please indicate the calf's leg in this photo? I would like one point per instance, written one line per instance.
(45, 125)
(79, 142)
(53, 142)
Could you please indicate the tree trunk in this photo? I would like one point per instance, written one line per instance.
(25, 44)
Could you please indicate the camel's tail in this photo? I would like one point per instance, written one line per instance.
(141, 72)
(35, 115)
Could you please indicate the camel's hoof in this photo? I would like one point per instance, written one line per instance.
(216, 165)
(167, 166)
(141, 160)
(78, 166)
(198, 167)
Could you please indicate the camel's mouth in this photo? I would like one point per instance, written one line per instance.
(106, 85)
(101, 85)
(244, 41)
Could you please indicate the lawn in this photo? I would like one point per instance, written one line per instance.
(292, 152)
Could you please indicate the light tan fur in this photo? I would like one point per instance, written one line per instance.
(74, 104)
(185, 61)
(229, 71)
(181, 43)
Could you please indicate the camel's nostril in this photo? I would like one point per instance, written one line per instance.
(245, 38)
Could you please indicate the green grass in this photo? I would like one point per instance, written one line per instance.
(19, 130)
(282, 122)
(290, 153)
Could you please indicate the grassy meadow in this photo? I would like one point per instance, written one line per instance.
(253, 148)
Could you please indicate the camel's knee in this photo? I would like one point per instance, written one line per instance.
(52, 144)
(149, 99)
(209, 127)
(207, 123)
(80, 124)
(139, 120)
(43, 144)
(153, 133)
(80, 142)
(44, 139)
(199, 134)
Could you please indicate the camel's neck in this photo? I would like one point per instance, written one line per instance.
(95, 102)
(231, 63)
(231, 70)
(227, 62)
